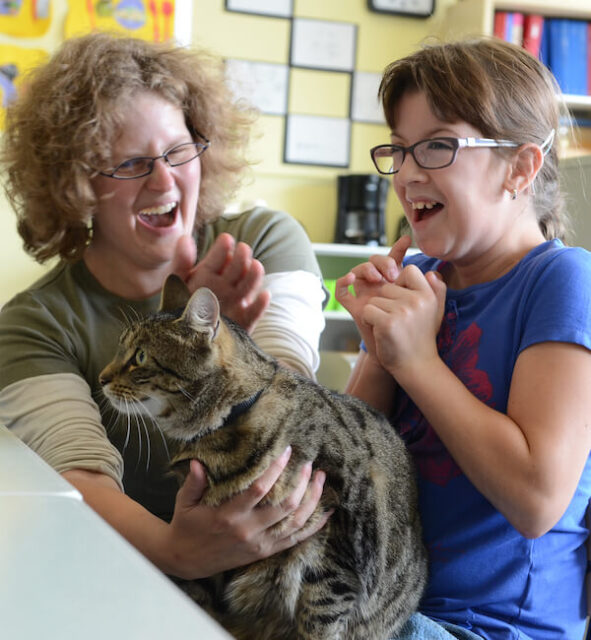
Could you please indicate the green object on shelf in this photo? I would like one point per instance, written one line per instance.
(333, 304)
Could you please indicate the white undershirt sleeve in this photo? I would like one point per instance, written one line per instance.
(290, 328)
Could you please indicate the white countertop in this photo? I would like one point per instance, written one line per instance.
(66, 574)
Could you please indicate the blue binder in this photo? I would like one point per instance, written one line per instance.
(568, 54)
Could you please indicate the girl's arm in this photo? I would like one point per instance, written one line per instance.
(370, 382)
(526, 462)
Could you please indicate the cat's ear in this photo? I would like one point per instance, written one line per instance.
(203, 310)
(175, 294)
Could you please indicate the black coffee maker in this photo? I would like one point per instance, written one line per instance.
(361, 209)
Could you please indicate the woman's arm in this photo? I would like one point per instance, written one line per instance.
(56, 416)
(201, 541)
(291, 326)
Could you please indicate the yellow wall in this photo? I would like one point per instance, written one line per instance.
(307, 192)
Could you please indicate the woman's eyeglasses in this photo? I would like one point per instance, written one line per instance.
(144, 165)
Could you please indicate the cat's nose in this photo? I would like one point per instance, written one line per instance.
(104, 378)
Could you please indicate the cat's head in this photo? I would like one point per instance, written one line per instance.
(168, 361)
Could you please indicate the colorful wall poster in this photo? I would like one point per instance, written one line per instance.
(14, 61)
(147, 19)
(25, 18)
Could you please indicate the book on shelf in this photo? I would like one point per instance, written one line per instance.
(562, 44)
(568, 54)
(533, 26)
(589, 58)
(508, 25)
(516, 33)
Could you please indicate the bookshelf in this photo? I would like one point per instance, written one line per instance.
(476, 17)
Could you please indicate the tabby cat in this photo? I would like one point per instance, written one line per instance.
(223, 401)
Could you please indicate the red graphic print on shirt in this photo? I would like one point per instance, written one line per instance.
(432, 459)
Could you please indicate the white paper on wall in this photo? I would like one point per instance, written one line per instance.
(261, 84)
(323, 44)
(365, 106)
(317, 140)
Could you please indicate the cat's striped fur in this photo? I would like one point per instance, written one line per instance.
(363, 574)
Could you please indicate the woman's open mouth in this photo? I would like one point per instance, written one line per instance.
(161, 216)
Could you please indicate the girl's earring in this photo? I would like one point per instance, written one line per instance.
(514, 194)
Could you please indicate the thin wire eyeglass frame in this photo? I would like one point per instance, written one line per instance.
(200, 148)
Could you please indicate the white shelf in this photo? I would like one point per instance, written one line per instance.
(577, 103)
(340, 316)
(348, 250)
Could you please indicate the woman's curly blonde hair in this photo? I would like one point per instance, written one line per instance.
(59, 132)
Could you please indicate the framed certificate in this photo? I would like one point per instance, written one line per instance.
(319, 140)
(261, 84)
(365, 106)
(277, 8)
(323, 44)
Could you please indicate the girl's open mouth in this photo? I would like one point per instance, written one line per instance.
(425, 209)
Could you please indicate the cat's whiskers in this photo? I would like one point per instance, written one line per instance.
(140, 416)
(184, 392)
(128, 429)
(106, 409)
(157, 426)
(131, 405)
(127, 320)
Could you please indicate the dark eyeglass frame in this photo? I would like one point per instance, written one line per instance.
(456, 143)
(200, 148)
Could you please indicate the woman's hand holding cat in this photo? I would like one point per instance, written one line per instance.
(230, 271)
(206, 540)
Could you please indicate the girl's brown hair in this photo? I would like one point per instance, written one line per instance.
(59, 132)
(496, 87)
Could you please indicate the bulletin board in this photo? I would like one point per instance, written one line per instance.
(321, 61)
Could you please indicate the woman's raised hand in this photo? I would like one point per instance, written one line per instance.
(231, 272)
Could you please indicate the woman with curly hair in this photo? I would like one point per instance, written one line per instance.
(120, 157)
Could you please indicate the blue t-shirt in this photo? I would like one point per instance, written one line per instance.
(483, 574)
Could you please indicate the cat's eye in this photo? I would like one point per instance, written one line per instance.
(139, 357)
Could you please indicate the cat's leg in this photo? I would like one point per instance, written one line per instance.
(261, 598)
(328, 599)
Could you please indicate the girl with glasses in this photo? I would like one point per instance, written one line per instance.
(478, 346)
(121, 156)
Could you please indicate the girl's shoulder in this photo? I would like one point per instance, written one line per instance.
(552, 256)
(554, 259)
